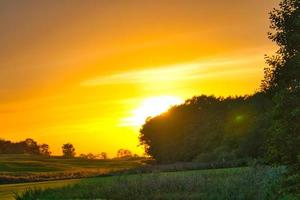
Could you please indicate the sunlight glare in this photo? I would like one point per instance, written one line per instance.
(151, 107)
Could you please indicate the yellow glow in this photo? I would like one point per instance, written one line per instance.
(151, 107)
(105, 66)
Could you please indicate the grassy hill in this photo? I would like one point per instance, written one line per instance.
(28, 168)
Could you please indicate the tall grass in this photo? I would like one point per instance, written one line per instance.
(248, 183)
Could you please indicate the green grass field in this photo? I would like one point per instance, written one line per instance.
(7, 190)
(235, 183)
(27, 168)
(16, 164)
(230, 183)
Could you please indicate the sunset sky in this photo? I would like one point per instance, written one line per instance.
(89, 72)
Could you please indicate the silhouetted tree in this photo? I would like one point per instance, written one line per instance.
(282, 83)
(91, 156)
(28, 146)
(31, 146)
(208, 128)
(44, 150)
(5, 146)
(122, 153)
(68, 150)
(88, 156)
(83, 156)
(103, 155)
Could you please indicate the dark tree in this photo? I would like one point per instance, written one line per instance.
(31, 146)
(123, 153)
(28, 146)
(44, 150)
(91, 156)
(5, 146)
(208, 129)
(68, 150)
(103, 155)
(282, 83)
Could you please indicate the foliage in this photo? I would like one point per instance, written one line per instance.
(88, 156)
(68, 150)
(207, 129)
(28, 146)
(282, 83)
(103, 155)
(44, 150)
(124, 153)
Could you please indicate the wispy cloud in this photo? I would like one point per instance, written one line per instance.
(177, 72)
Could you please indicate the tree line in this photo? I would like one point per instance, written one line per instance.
(209, 129)
(30, 146)
(265, 125)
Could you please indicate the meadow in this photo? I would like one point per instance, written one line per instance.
(36, 177)
(7, 191)
(21, 168)
(231, 183)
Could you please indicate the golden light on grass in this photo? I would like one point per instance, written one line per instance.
(151, 107)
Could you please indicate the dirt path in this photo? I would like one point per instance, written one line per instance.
(7, 191)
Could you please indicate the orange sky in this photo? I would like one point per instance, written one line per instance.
(75, 71)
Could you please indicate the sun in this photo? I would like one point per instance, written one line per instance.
(151, 107)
